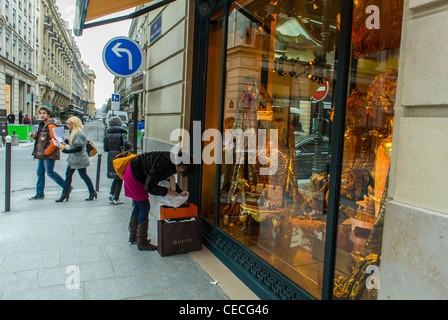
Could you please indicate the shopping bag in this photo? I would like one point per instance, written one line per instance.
(180, 236)
(187, 210)
(122, 161)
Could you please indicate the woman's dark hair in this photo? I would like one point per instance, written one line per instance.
(189, 167)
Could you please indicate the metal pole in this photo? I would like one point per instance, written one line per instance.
(134, 131)
(98, 172)
(8, 174)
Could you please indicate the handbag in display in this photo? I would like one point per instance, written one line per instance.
(179, 236)
(272, 195)
(265, 115)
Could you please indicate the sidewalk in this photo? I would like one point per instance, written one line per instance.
(45, 247)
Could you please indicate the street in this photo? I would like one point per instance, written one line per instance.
(23, 166)
(79, 250)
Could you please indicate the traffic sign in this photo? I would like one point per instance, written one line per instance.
(122, 56)
(115, 105)
(321, 92)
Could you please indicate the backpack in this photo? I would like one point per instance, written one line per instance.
(121, 162)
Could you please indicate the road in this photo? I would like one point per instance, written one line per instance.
(23, 166)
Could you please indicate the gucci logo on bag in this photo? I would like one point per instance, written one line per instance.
(183, 241)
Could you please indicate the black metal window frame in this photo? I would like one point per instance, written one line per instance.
(262, 278)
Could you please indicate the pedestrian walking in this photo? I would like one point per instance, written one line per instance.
(77, 159)
(11, 118)
(26, 120)
(46, 152)
(141, 177)
(20, 116)
(114, 143)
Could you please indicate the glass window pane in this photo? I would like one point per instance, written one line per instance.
(367, 147)
(212, 112)
(277, 147)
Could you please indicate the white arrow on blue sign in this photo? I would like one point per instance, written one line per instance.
(122, 56)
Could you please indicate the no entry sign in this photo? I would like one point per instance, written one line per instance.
(321, 92)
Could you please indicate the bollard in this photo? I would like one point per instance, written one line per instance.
(8, 140)
(98, 172)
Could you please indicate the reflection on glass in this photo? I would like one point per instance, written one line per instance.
(279, 86)
(212, 112)
(367, 151)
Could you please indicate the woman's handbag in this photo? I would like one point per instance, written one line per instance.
(91, 149)
(121, 162)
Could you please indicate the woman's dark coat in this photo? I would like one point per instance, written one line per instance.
(152, 167)
(115, 142)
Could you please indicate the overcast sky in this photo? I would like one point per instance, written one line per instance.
(91, 45)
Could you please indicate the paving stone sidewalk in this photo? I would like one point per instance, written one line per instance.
(45, 247)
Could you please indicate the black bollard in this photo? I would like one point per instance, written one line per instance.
(98, 172)
(8, 140)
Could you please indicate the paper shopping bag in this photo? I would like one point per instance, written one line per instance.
(179, 237)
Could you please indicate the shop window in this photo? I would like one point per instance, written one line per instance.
(279, 80)
(367, 149)
(274, 185)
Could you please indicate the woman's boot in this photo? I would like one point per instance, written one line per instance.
(92, 194)
(133, 229)
(142, 237)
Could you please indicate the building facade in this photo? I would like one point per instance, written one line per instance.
(18, 73)
(54, 58)
(40, 62)
(314, 125)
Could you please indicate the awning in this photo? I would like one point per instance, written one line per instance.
(87, 10)
(101, 8)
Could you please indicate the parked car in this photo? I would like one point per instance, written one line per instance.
(305, 148)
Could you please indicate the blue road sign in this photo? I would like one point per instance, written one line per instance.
(115, 98)
(122, 56)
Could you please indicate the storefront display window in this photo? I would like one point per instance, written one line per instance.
(280, 63)
(271, 90)
(367, 150)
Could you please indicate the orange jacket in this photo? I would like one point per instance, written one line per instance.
(52, 146)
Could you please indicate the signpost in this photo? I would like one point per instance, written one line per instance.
(122, 56)
(115, 105)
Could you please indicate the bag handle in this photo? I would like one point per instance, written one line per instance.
(126, 153)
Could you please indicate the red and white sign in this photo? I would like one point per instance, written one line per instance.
(321, 92)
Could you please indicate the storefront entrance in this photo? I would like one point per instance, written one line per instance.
(303, 94)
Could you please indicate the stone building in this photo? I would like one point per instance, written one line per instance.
(17, 56)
